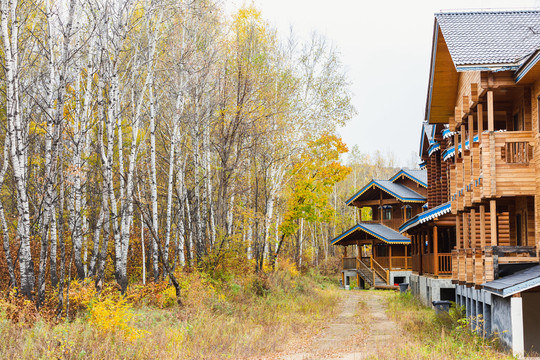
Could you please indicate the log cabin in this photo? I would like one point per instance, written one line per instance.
(432, 232)
(484, 95)
(379, 255)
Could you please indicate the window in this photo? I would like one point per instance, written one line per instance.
(407, 211)
(387, 213)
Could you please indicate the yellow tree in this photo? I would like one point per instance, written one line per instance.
(312, 181)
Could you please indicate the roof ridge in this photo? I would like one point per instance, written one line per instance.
(488, 11)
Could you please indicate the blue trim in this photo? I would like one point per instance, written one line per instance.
(375, 235)
(373, 183)
(344, 234)
(434, 147)
(521, 72)
(439, 210)
(380, 237)
(422, 139)
(447, 133)
(448, 153)
(485, 68)
(404, 172)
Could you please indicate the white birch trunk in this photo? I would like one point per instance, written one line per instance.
(9, 21)
(3, 222)
(153, 182)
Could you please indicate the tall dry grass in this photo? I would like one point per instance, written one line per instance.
(223, 317)
(427, 335)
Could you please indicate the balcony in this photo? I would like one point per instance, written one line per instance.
(507, 166)
(497, 164)
(383, 262)
(475, 266)
(431, 264)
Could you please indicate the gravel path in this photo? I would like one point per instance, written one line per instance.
(361, 330)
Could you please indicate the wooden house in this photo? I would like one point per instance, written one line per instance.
(484, 94)
(432, 232)
(379, 255)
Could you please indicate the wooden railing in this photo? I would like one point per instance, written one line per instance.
(500, 165)
(442, 266)
(480, 265)
(445, 263)
(398, 262)
(349, 263)
(516, 152)
(383, 273)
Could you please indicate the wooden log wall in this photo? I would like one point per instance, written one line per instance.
(503, 166)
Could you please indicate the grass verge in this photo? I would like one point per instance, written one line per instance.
(432, 336)
(236, 317)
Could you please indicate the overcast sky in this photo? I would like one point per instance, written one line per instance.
(385, 47)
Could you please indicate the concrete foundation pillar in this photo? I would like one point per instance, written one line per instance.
(516, 309)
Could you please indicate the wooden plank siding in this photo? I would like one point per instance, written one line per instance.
(493, 184)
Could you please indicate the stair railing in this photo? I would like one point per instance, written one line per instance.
(382, 272)
(360, 265)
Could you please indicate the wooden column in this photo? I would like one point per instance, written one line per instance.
(456, 144)
(458, 230)
(473, 228)
(482, 226)
(463, 137)
(418, 256)
(491, 128)
(380, 208)
(471, 131)
(480, 119)
(389, 257)
(436, 250)
(490, 112)
(493, 221)
(471, 153)
(465, 231)
(406, 257)
(371, 257)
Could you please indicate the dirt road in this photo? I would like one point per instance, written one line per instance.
(361, 330)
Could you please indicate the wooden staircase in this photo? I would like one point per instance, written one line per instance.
(370, 276)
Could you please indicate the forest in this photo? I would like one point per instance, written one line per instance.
(142, 138)
(172, 175)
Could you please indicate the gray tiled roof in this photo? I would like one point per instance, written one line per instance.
(420, 175)
(398, 191)
(378, 231)
(401, 191)
(517, 282)
(385, 232)
(428, 132)
(494, 37)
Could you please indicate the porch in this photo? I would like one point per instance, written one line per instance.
(433, 236)
(433, 264)
(378, 251)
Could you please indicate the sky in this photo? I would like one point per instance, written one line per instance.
(385, 48)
